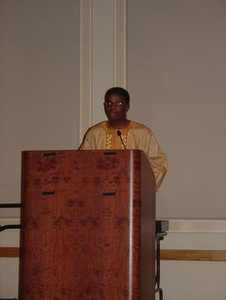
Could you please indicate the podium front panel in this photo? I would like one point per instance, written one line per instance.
(88, 222)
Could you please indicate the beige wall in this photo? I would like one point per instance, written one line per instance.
(176, 76)
(194, 280)
(66, 82)
(39, 83)
(39, 98)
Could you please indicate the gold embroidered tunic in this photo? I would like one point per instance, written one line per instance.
(135, 136)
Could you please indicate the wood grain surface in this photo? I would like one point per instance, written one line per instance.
(87, 234)
(9, 252)
(193, 255)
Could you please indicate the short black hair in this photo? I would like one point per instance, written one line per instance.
(118, 91)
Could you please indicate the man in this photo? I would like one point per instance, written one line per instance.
(120, 133)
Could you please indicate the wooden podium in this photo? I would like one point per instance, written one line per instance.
(88, 226)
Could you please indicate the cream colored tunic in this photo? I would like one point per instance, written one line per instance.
(136, 136)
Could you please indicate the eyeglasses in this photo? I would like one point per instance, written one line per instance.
(110, 104)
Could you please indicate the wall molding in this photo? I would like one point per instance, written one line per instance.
(85, 72)
(193, 255)
(120, 43)
(9, 252)
(103, 55)
(166, 254)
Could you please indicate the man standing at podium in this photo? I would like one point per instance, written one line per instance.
(120, 133)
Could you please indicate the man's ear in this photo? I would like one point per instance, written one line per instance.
(127, 107)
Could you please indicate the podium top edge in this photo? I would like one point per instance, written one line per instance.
(61, 151)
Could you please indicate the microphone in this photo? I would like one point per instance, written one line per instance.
(120, 135)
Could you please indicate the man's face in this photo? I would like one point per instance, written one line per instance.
(115, 107)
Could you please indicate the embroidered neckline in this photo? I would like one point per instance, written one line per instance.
(124, 131)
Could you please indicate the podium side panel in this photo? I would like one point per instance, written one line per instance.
(148, 212)
(143, 232)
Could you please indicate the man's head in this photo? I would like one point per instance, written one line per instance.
(116, 104)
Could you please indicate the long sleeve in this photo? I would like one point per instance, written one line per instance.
(157, 159)
(87, 143)
(94, 139)
(142, 138)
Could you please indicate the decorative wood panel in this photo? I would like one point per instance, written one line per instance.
(88, 226)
